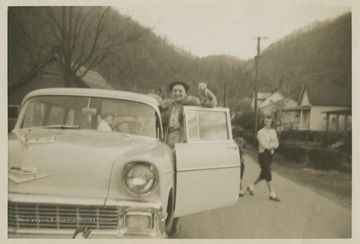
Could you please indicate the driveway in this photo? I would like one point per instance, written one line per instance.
(300, 214)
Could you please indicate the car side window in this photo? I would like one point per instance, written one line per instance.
(207, 125)
(192, 125)
(212, 126)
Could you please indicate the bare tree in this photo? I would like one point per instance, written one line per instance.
(83, 37)
(241, 89)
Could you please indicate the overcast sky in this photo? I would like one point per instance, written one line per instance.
(227, 26)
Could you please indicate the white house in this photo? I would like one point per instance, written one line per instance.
(279, 105)
(261, 97)
(276, 96)
(321, 107)
(273, 106)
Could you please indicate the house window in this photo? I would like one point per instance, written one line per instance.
(333, 120)
(348, 123)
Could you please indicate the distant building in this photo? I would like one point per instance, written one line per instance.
(273, 106)
(279, 105)
(261, 97)
(49, 74)
(274, 97)
(320, 107)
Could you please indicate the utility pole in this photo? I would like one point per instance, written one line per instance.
(257, 60)
(225, 94)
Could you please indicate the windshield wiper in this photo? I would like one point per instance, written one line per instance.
(62, 127)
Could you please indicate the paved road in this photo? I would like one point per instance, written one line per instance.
(300, 214)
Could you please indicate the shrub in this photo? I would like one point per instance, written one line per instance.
(297, 135)
(325, 158)
(295, 153)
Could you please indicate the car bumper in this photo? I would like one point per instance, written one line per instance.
(121, 219)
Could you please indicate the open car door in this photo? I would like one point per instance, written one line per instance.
(207, 162)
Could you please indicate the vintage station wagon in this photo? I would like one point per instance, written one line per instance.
(67, 179)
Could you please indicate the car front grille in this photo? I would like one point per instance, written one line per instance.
(47, 216)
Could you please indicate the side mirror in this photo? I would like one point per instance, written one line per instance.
(13, 114)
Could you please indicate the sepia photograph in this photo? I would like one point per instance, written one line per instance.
(179, 120)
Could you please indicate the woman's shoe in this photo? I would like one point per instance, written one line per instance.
(275, 199)
(250, 191)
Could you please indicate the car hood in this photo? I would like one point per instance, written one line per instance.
(67, 163)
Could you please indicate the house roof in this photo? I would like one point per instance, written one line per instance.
(297, 108)
(263, 95)
(91, 79)
(281, 104)
(276, 96)
(339, 111)
(28, 75)
(327, 94)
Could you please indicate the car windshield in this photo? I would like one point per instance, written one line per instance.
(89, 113)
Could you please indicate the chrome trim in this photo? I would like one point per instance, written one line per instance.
(133, 164)
(25, 198)
(134, 204)
(209, 168)
(58, 217)
(157, 229)
(35, 233)
(131, 212)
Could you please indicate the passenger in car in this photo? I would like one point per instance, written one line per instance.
(122, 127)
(172, 111)
(207, 97)
(106, 122)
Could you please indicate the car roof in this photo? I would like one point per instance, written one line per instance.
(94, 93)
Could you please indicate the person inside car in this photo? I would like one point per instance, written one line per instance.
(106, 122)
(122, 127)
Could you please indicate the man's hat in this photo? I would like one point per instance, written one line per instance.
(172, 84)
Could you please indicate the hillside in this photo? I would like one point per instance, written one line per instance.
(318, 53)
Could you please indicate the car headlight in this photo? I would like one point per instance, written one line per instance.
(140, 178)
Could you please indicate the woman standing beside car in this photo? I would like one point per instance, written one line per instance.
(172, 111)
